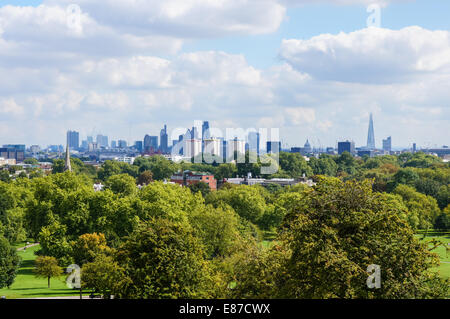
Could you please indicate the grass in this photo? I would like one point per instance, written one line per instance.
(444, 268)
(26, 285)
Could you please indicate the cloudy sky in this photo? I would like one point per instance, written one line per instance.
(314, 69)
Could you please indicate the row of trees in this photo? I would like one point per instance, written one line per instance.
(166, 241)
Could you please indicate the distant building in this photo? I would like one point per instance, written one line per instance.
(253, 140)
(212, 146)
(113, 144)
(139, 146)
(187, 178)
(150, 143)
(273, 147)
(122, 144)
(364, 152)
(164, 139)
(235, 145)
(192, 147)
(346, 146)
(73, 140)
(102, 141)
(10, 151)
(387, 144)
(34, 149)
(371, 135)
(414, 149)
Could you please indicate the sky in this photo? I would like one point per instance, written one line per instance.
(313, 69)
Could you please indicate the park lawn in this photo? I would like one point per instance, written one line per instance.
(26, 285)
(444, 268)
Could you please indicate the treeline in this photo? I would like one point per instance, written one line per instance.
(166, 241)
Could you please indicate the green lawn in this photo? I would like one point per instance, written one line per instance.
(26, 285)
(444, 268)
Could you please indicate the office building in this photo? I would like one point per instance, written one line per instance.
(387, 144)
(122, 144)
(164, 139)
(73, 140)
(273, 147)
(346, 146)
(371, 135)
(150, 143)
(139, 146)
(102, 141)
(192, 147)
(254, 142)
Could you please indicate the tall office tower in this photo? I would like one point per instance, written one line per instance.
(113, 144)
(414, 147)
(90, 139)
(194, 133)
(371, 135)
(273, 147)
(205, 131)
(122, 144)
(387, 144)
(164, 138)
(346, 146)
(139, 146)
(150, 143)
(73, 140)
(212, 146)
(102, 141)
(192, 147)
(235, 145)
(253, 142)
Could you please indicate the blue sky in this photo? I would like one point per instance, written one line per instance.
(305, 68)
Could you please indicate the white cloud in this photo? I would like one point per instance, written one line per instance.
(371, 55)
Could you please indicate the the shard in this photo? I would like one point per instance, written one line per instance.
(371, 135)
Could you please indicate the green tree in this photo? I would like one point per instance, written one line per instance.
(201, 187)
(226, 170)
(9, 263)
(163, 260)
(89, 246)
(160, 167)
(104, 275)
(145, 178)
(122, 184)
(47, 267)
(333, 234)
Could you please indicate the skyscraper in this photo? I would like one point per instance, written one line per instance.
(346, 146)
(371, 135)
(73, 139)
(164, 139)
(253, 142)
(387, 144)
(205, 131)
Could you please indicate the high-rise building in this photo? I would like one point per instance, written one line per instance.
(235, 146)
(414, 149)
(139, 146)
(205, 130)
(273, 147)
(122, 144)
(212, 146)
(253, 142)
(73, 140)
(113, 144)
(387, 144)
(346, 146)
(164, 139)
(102, 140)
(150, 143)
(192, 147)
(371, 135)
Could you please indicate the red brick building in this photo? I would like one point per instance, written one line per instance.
(188, 178)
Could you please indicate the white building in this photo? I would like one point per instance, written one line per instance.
(192, 147)
(235, 145)
(125, 159)
(7, 161)
(213, 146)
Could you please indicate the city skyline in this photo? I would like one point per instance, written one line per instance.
(271, 65)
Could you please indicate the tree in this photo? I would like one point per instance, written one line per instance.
(329, 238)
(88, 247)
(201, 187)
(47, 267)
(4, 176)
(247, 201)
(443, 220)
(145, 178)
(31, 161)
(226, 170)
(163, 260)
(103, 275)
(122, 184)
(9, 263)
(160, 167)
(294, 164)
